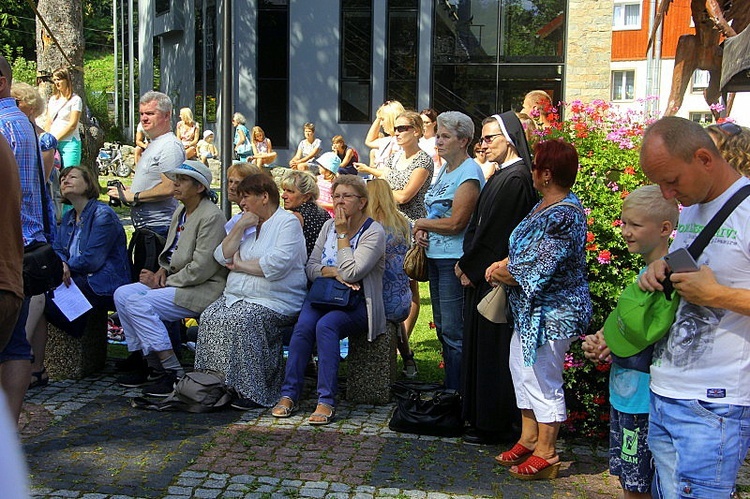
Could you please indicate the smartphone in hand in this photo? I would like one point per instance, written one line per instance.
(681, 261)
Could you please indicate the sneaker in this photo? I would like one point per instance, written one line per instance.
(163, 387)
(244, 404)
(133, 362)
(133, 379)
(410, 368)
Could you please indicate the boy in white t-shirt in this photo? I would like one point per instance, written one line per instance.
(647, 223)
(206, 147)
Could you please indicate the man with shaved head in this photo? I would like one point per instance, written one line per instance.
(699, 422)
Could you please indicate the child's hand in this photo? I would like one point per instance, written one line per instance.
(595, 348)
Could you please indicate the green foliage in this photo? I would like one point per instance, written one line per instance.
(17, 27)
(608, 147)
(23, 69)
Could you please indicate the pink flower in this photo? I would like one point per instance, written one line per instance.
(604, 257)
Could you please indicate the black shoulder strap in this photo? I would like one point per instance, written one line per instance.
(42, 188)
(708, 232)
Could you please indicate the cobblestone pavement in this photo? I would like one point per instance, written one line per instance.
(83, 440)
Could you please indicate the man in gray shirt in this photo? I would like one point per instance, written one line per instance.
(151, 192)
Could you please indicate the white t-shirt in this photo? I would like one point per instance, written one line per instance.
(60, 109)
(706, 355)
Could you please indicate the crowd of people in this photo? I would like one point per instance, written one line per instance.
(506, 219)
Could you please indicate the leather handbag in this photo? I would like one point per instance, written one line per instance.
(493, 306)
(42, 269)
(331, 294)
(415, 263)
(426, 409)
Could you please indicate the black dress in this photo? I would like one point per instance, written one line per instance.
(489, 402)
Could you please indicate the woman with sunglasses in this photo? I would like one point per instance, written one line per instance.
(733, 142)
(449, 203)
(63, 112)
(488, 397)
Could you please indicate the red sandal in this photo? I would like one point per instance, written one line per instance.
(514, 456)
(536, 468)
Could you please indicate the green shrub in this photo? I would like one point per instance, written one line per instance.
(608, 145)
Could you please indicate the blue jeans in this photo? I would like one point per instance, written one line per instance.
(327, 328)
(698, 446)
(447, 296)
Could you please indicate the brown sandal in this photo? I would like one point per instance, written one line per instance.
(323, 414)
(284, 408)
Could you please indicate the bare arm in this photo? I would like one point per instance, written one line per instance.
(702, 288)
(375, 172)
(464, 202)
(373, 134)
(416, 180)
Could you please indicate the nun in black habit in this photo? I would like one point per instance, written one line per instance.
(489, 402)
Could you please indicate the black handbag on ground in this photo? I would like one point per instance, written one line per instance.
(426, 409)
(42, 268)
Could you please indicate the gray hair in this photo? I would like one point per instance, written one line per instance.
(302, 181)
(458, 123)
(163, 102)
(239, 118)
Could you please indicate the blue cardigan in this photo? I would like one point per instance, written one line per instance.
(103, 256)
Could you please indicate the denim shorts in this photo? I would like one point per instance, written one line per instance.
(629, 455)
(18, 348)
(698, 446)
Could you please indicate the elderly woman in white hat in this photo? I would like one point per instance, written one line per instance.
(188, 280)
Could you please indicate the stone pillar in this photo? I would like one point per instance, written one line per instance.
(371, 367)
(589, 50)
(76, 358)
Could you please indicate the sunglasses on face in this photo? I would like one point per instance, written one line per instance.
(403, 128)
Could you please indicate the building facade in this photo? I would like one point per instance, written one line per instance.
(334, 62)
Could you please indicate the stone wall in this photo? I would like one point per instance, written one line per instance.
(589, 49)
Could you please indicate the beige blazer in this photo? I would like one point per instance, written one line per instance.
(195, 273)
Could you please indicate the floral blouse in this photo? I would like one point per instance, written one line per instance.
(397, 178)
(547, 258)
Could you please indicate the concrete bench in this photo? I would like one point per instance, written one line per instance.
(76, 358)
(371, 367)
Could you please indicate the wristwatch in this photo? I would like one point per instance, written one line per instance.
(341, 235)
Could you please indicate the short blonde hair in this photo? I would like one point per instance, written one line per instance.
(29, 96)
(243, 170)
(649, 201)
(388, 113)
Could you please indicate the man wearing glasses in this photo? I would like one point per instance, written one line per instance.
(15, 359)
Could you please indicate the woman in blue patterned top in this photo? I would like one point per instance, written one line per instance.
(549, 295)
(396, 291)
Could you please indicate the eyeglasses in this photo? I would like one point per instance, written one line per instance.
(729, 128)
(344, 197)
(487, 139)
(403, 128)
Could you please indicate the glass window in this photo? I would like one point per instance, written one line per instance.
(272, 106)
(355, 85)
(487, 55)
(700, 80)
(701, 117)
(623, 85)
(403, 45)
(205, 76)
(626, 15)
(162, 6)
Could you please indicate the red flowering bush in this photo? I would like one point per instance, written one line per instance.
(608, 142)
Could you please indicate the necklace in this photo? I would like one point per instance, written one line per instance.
(544, 205)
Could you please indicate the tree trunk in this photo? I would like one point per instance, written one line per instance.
(65, 21)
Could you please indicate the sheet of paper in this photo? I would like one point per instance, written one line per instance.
(71, 301)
